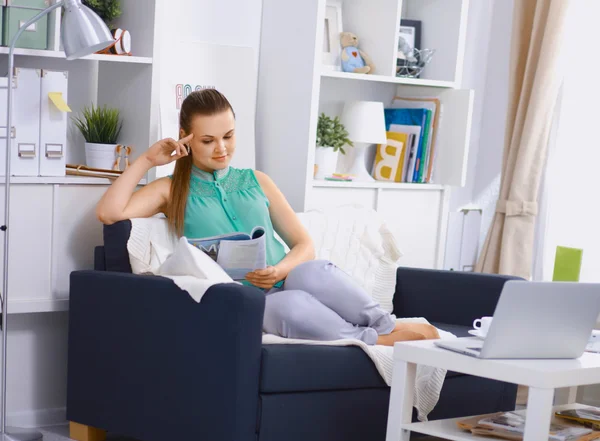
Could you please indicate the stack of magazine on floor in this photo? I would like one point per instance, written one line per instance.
(588, 416)
(511, 426)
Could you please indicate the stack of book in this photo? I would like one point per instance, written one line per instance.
(511, 426)
(588, 416)
(409, 155)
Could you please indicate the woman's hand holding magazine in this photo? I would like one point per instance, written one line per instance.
(265, 278)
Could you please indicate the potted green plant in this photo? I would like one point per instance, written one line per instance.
(331, 139)
(100, 127)
(107, 10)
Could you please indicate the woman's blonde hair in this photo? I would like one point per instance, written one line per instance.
(205, 102)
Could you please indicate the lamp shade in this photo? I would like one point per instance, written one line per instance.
(364, 121)
(83, 32)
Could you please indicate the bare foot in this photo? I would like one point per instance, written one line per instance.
(429, 331)
(403, 335)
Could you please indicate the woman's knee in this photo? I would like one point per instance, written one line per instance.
(308, 274)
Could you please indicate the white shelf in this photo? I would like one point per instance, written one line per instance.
(61, 180)
(377, 184)
(388, 79)
(93, 57)
(37, 305)
(447, 429)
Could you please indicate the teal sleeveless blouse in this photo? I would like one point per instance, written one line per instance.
(229, 201)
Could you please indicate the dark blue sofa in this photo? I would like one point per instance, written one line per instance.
(148, 362)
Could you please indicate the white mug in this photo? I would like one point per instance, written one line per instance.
(482, 324)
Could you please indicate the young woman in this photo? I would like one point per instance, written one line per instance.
(305, 298)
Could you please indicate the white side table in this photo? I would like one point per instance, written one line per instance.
(542, 376)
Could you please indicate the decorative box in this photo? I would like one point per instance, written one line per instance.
(31, 4)
(35, 37)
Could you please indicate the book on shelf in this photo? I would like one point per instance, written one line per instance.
(511, 426)
(237, 253)
(392, 159)
(435, 105)
(417, 119)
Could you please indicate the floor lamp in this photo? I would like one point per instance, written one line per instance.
(82, 33)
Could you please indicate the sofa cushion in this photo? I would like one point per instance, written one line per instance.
(295, 368)
(302, 368)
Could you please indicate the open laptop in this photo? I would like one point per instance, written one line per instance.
(536, 320)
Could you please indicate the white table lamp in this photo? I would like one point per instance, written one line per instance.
(82, 33)
(365, 123)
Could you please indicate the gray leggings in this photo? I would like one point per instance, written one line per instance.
(318, 301)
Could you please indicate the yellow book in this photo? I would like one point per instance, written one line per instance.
(389, 159)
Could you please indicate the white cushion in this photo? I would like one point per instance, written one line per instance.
(354, 238)
(150, 243)
(357, 240)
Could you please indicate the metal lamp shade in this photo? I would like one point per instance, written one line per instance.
(83, 32)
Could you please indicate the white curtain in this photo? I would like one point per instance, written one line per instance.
(535, 77)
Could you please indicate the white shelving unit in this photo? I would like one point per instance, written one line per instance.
(295, 87)
(387, 79)
(376, 184)
(53, 227)
(95, 57)
(61, 180)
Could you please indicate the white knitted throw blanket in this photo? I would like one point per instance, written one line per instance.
(153, 251)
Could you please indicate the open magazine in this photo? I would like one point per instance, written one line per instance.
(237, 253)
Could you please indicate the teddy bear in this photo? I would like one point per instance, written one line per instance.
(353, 59)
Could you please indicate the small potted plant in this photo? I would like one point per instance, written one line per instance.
(331, 139)
(101, 127)
(107, 10)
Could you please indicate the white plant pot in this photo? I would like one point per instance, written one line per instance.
(325, 162)
(100, 155)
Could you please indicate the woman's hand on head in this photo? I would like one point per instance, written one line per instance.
(265, 278)
(167, 150)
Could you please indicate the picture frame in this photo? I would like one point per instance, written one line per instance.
(332, 28)
(410, 31)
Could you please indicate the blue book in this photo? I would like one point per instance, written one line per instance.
(409, 117)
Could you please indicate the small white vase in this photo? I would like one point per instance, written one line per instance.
(102, 156)
(325, 162)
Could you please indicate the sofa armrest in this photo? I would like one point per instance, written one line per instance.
(450, 297)
(147, 361)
